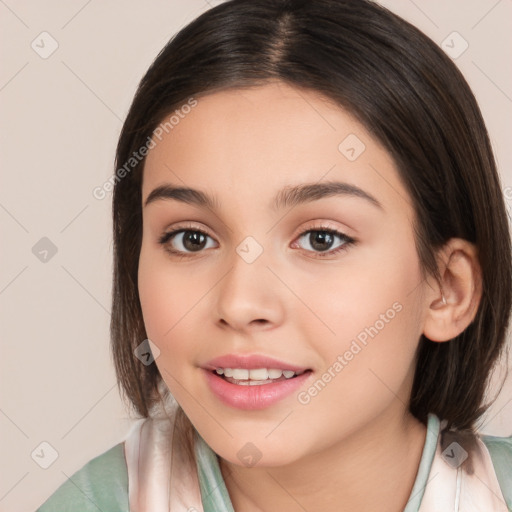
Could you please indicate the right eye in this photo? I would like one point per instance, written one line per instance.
(184, 241)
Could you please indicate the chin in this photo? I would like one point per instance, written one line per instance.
(258, 455)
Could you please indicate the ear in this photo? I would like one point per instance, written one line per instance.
(461, 287)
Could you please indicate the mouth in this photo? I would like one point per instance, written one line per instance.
(252, 382)
(256, 376)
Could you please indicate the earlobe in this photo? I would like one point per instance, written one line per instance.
(452, 303)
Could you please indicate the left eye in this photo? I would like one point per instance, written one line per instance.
(323, 240)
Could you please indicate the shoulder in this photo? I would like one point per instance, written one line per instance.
(500, 450)
(101, 484)
(500, 444)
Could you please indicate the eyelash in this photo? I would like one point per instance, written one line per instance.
(348, 241)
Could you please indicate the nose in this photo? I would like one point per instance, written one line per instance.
(249, 297)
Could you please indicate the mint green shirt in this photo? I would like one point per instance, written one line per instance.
(102, 483)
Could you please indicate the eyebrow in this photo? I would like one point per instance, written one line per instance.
(287, 197)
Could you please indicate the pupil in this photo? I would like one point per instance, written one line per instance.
(193, 240)
(321, 240)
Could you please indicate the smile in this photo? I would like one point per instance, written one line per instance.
(253, 394)
(255, 377)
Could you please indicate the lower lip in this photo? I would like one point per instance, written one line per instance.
(253, 397)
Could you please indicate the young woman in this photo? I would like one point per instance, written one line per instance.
(310, 286)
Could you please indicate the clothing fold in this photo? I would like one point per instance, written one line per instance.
(161, 474)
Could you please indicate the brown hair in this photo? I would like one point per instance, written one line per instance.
(408, 94)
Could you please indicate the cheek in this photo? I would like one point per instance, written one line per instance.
(366, 283)
(168, 297)
(369, 363)
(371, 310)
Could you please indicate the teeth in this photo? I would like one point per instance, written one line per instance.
(259, 374)
(274, 374)
(253, 382)
(240, 374)
(255, 376)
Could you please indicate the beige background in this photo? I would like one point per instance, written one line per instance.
(60, 119)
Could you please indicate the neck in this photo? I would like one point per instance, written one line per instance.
(372, 470)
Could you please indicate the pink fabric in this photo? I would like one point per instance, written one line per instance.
(161, 476)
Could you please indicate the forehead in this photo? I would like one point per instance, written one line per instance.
(250, 142)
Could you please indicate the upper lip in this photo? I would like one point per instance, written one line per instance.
(251, 361)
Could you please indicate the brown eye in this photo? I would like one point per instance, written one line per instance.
(322, 241)
(193, 240)
(185, 241)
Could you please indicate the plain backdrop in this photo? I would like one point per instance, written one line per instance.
(61, 114)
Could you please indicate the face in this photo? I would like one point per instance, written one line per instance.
(303, 260)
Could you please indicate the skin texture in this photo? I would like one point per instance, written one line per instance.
(353, 446)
